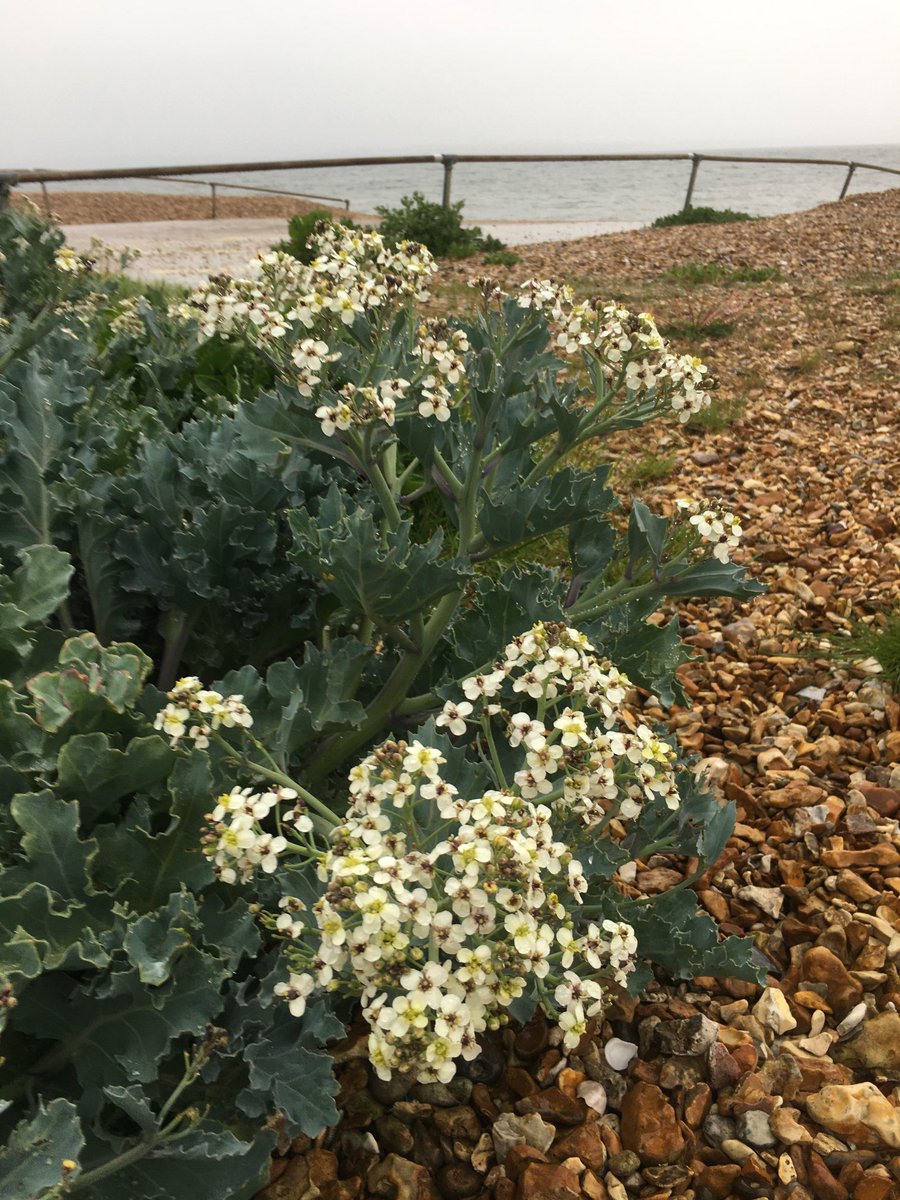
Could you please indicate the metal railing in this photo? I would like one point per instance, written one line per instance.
(10, 179)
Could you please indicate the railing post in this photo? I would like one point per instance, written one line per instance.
(847, 181)
(7, 182)
(212, 194)
(46, 201)
(448, 160)
(695, 163)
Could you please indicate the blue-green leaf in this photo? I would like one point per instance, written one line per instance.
(32, 1160)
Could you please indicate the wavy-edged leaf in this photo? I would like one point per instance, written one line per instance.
(159, 862)
(39, 932)
(100, 775)
(318, 696)
(385, 577)
(32, 1160)
(713, 578)
(57, 857)
(519, 514)
(209, 1162)
(155, 940)
(299, 1078)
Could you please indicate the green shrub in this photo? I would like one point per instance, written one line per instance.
(301, 229)
(432, 225)
(165, 981)
(702, 216)
(501, 258)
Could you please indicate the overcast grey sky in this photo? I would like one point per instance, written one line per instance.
(130, 82)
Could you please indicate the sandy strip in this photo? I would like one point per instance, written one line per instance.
(189, 251)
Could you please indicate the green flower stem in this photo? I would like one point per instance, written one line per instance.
(391, 694)
(446, 473)
(165, 1134)
(279, 777)
(588, 608)
(416, 704)
(383, 490)
(492, 747)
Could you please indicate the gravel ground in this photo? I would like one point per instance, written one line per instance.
(101, 208)
(788, 1092)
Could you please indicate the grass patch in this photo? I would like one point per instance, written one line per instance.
(720, 415)
(808, 363)
(880, 640)
(159, 292)
(637, 473)
(702, 216)
(700, 273)
(698, 330)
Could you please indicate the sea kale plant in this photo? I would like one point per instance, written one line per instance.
(422, 791)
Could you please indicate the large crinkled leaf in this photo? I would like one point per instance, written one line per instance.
(385, 577)
(21, 738)
(519, 514)
(39, 932)
(102, 572)
(713, 578)
(100, 775)
(57, 857)
(159, 861)
(499, 610)
(134, 1103)
(648, 654)
(232, 928)
(40, 584)
(90, 677)
(210, 1162)
(298, 1077)
(646, 536)
(154, 941)
(117, 1032)
(673, 933)
(34, 590)
(34, 404)
(317, 697)
(32, 1160)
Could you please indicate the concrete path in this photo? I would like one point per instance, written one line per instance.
(189, 251)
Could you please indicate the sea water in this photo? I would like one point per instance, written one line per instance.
(577, 191)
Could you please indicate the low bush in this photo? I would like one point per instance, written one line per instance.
(702, 216)
(369, 746)
(431, 224)
(501, 258)
(301, 232)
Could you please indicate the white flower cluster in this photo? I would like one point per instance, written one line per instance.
(362, 406)
(352, 272)
(441, 348)
(68, 261)
(626, 344)
(441, 933)
(439, 907)
(196, 711)
(580, 750)
(715, 525)
(546, 296)
(127, 322)
(234, 839)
